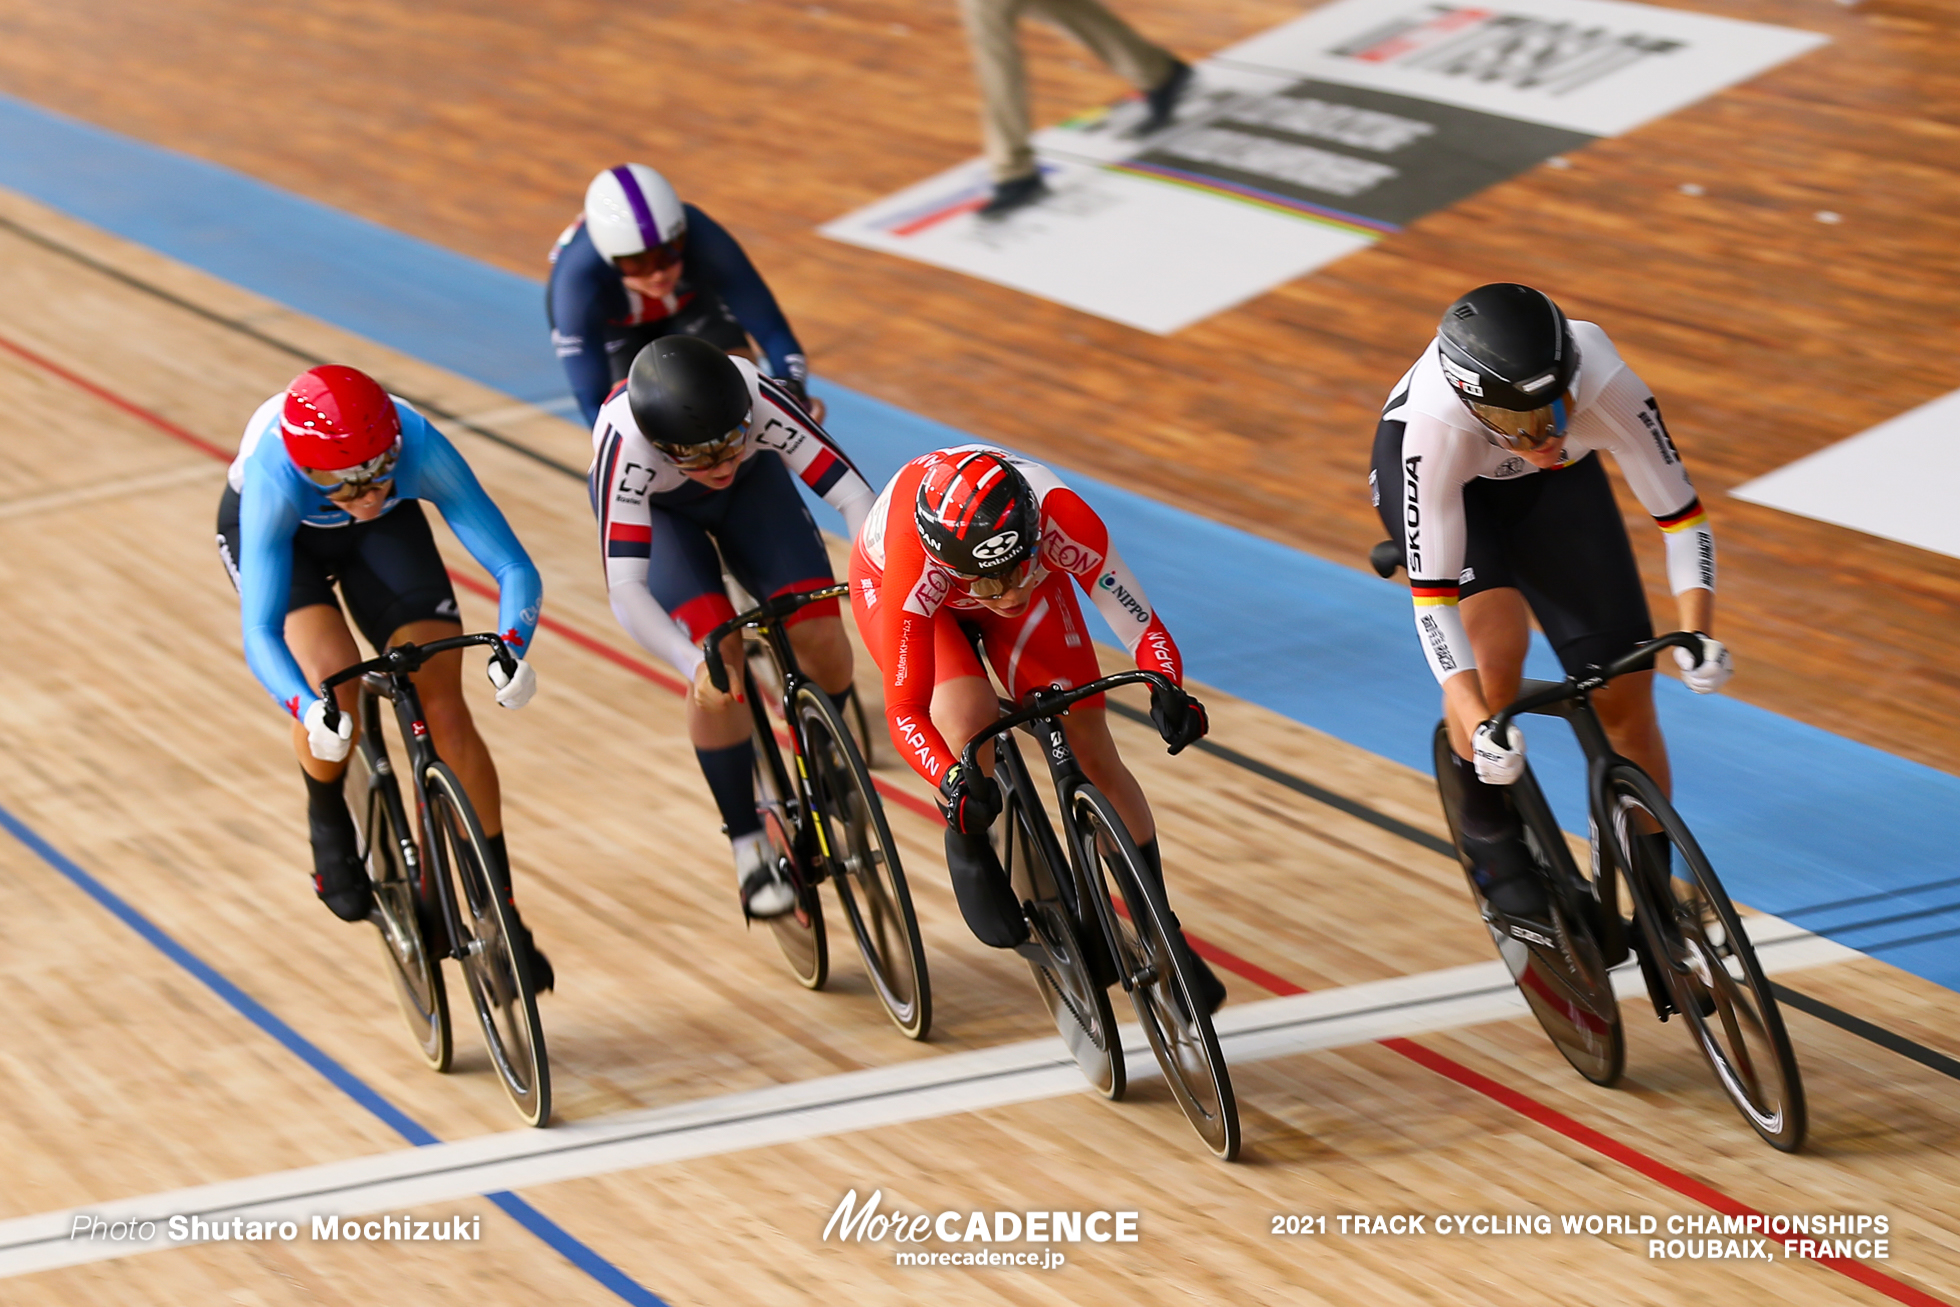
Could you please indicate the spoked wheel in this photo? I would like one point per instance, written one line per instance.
(497, 971)
(1161, 986)
(864, 866)
(1563, 977)
(799, 932)
(1716, 982)
(1063, 972)
(394, 868)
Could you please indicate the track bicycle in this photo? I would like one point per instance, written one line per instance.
(1675, 917)
(1082, 938)
(824, 821)
(416, 871)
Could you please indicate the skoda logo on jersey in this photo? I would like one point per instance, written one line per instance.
(996, 546)
(1510, 467)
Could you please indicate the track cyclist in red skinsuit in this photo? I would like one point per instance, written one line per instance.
(974, 541)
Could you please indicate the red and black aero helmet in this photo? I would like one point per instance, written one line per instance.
(1508, 347)
(977, 514)
(337, 417)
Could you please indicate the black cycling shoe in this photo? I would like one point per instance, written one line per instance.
(1508, 877)
(1211, 990)
(340, 877)
(987, 900)
(543, 978)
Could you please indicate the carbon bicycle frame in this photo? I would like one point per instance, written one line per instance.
(1572, 700)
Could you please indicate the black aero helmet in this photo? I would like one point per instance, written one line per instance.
(1507, 346)
(688, 398)
(976, 513)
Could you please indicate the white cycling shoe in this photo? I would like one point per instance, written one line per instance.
(760, 882)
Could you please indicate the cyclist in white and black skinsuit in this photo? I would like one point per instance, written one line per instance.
(1486, 472)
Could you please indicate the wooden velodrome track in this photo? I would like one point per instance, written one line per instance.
(139, 747)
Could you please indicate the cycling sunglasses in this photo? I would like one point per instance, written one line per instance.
(343, 484)
(998, 584)
(658, 258)
(1527, 430)
(707, 457)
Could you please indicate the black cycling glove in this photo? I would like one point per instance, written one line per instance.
(1179, 718)
(970, 798)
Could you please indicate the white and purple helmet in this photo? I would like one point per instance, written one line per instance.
(631, 209)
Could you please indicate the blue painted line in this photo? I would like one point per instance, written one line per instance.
(578, 1254)
(310, 1053)
(1790, 814)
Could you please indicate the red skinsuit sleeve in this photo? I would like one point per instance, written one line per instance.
(909, 595)
(1074, 540)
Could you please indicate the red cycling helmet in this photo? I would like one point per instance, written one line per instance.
(338, 417)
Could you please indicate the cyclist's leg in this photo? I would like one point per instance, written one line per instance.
(1497, 622)
(322, 645)
(318, 637)
(684, 578)
(772, 546)
(964, 702)
(1576, 567)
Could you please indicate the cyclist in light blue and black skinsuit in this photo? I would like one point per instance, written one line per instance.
(638, 265)
(326, 493)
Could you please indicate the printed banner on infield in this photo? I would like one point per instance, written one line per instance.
(1314, 140)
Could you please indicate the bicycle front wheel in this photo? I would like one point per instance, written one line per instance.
(1564, 979)
(394, 866)
(1699, 943)
(864, 866)
(497, 970)
(800, 931)
(1158, 976)
(1064, 974)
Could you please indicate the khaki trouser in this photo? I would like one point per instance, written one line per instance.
(990, 26)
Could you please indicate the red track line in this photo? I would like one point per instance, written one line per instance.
(114, 400)
(1551, 1118)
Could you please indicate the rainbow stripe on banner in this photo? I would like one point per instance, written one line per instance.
(1352, 223)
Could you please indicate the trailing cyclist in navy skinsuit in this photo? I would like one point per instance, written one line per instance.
(638, 265)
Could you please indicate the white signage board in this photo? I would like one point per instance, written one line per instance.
(1897, 480)
(1312, 141)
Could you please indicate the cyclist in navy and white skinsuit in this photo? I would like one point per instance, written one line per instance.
(638, 264)
(350, 515)
(697, 450)
(1486, 472)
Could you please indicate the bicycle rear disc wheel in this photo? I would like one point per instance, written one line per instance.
(1716, 982)
(1063, 974)
(1162, 988)
(864, 865)
(497, 972)
(799, 932)
(1563, 978)
(394, 867)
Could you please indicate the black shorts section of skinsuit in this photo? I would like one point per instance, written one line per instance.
(389, 570)
(1556, 536)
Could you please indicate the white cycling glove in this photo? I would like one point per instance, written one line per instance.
(1711, 672)
(1498, 764)
(516, 690)
(327, 743)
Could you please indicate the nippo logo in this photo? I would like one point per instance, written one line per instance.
(996, 546)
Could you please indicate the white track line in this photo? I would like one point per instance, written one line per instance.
(168, 479)
(912, 1091)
